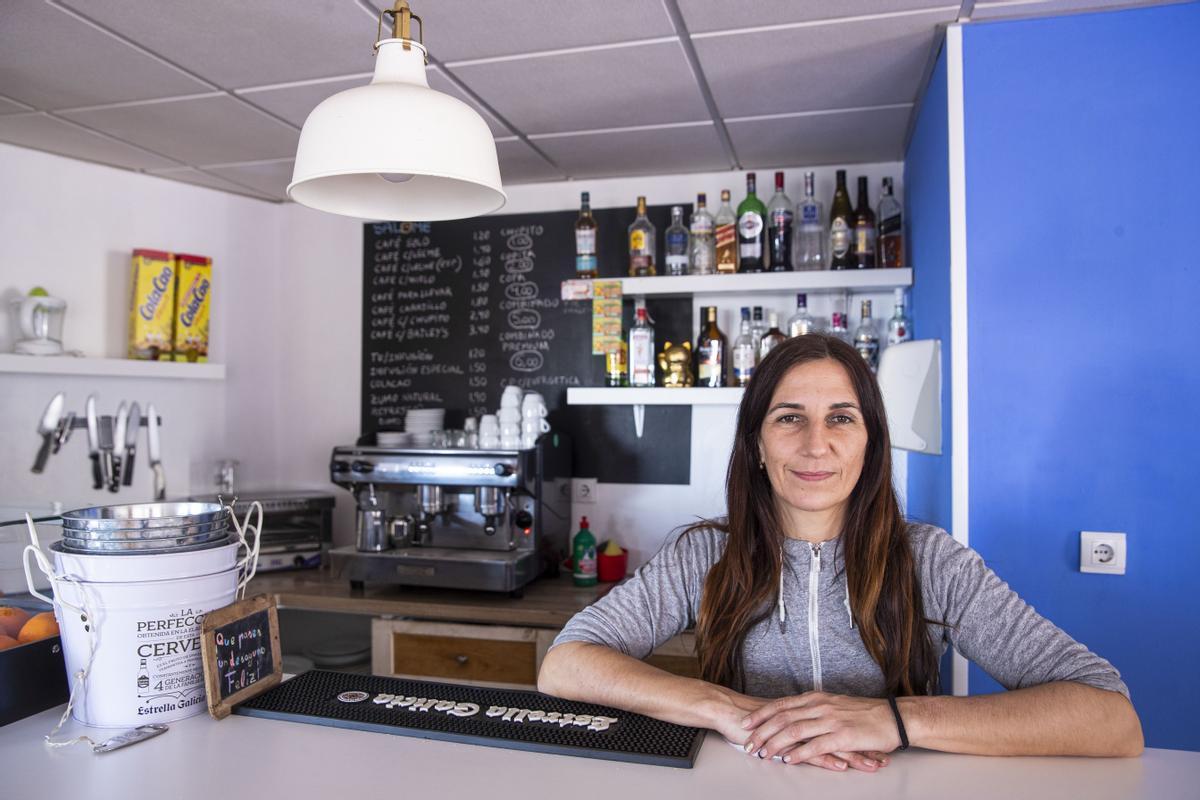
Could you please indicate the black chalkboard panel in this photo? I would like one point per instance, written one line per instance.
(239, 645)
(455, 311)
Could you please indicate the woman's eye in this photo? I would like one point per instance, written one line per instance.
(789, 419)
(841, 419)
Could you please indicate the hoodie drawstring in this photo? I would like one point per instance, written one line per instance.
(782, 608)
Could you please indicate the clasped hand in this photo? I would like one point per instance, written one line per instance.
(828, 730)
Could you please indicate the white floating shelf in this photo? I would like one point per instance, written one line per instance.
(652, 396)
(108, 367)
(860, 280)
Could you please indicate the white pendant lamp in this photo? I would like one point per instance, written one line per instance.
(396, 149)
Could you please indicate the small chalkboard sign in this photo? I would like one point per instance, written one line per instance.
(240, 649)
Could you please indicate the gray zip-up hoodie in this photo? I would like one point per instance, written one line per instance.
(809, 641)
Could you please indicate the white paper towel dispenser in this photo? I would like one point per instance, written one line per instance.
(910, 378)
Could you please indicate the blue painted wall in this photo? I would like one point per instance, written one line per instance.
(1083, 162)
(927, 204)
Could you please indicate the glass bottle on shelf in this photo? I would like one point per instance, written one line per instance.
(702, 246)
(616, 365)
(866, 338)
(810, 229)
(864, 229)
(744, 353)
(757, 326)
(751, 230)
(711, 347)
(841, 226)
(641, 243)
(585, 239)
(801, 323)
(899, 326)
(641, 351)
(772, 338)
(839, 327)
(780, 218)
(726, 236)
(676, 237)
(890, 244)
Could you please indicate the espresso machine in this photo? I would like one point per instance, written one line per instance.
(492, 520)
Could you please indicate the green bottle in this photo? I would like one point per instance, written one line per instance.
(751, 230)
(583, 555)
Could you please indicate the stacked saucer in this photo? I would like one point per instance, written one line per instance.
(420, 423)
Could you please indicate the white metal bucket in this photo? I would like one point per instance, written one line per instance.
(108, 568)
(146, 665)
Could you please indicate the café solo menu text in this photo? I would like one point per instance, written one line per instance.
(454, 311)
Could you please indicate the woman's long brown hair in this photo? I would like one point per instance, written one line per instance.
(880, 570)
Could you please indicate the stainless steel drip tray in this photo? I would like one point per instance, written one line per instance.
(446, 567)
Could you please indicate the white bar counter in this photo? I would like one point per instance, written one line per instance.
(245, 757)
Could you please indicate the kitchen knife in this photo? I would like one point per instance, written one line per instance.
(118, 443)
(106, 450)
(160, 477)
(93, 430)
(135, 422)
(64, 431)
(47, 428)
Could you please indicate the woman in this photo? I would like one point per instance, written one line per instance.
(820, 614)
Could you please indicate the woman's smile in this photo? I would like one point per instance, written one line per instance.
(811, 476)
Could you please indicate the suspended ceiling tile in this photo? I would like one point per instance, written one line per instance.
(844, 65)
(1008, 10)
(209, 130)
(519, 163)
(198, 178)
(8, 106)
(43, 132)
(294, 103)
(439, 82)
(51, 60)
(642, 85)
(641, 152)
(702, 16)
(466, 29)
(235, 43)
(847, 138)
(270, 178)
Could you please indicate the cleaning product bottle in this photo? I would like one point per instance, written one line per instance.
(583, 553)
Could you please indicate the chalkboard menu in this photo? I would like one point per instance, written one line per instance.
(455, 311)
(240, 651)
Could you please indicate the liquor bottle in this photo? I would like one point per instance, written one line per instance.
(779, 228)
(751, 230)
(866, 339)
(641, 243)
(726, 233)
(810, 234)
(757, 326)
(143, 676)
(890, 245)
(841, 226)
(864, 229)
(801, 323)
(772, 338)
(676, 238)
(710, 350)
(585, 239)
(616, 366)
(641, 351)
(744, 353)
(702, 255)
(899, 326)
(839, 327)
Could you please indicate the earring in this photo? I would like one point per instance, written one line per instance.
(762, 465)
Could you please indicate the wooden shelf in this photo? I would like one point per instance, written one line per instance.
(108, 367)
(768, 283)
(652, 396)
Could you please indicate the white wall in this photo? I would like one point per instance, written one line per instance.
(287, 309)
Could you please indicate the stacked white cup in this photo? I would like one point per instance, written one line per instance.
(489, 432)
(509, 417)
(533, 419)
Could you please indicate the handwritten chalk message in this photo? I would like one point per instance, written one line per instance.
(243, 653)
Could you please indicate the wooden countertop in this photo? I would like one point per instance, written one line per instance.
(548, 602)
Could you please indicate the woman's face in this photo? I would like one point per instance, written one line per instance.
(812, 444)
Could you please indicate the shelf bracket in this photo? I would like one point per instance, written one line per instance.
(639, 419)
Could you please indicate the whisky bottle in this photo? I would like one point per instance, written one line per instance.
(726, 233)
(710, 350)
(772, 338)
(864, 229)
(585, 239)
(890, 244)
(841, 226)
(641, 244)
(751, 230)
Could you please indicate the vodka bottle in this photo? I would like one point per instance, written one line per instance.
(899, 326)
(702, 246)
(866, 338)
(744, 353)
(810, 229)
(641, 351)
(801, 323)
(677, 243)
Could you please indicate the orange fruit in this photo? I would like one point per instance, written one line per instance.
(7, 642)
(11, 620)
(39, 626)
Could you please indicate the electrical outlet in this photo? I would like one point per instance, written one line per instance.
(585, 490)
(1102, 552)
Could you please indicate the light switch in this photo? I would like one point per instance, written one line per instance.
(1101, 551)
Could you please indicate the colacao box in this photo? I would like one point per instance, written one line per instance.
(193, 299)
(152, 305)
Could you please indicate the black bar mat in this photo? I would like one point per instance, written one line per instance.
(475, 715)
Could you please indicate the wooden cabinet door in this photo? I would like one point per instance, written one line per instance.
(476, 654)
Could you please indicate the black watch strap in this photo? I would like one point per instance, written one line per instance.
(899, 723)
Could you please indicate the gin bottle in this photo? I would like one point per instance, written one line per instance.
(866, 338)
(810, 225)
(641, 351)
(702, 248)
